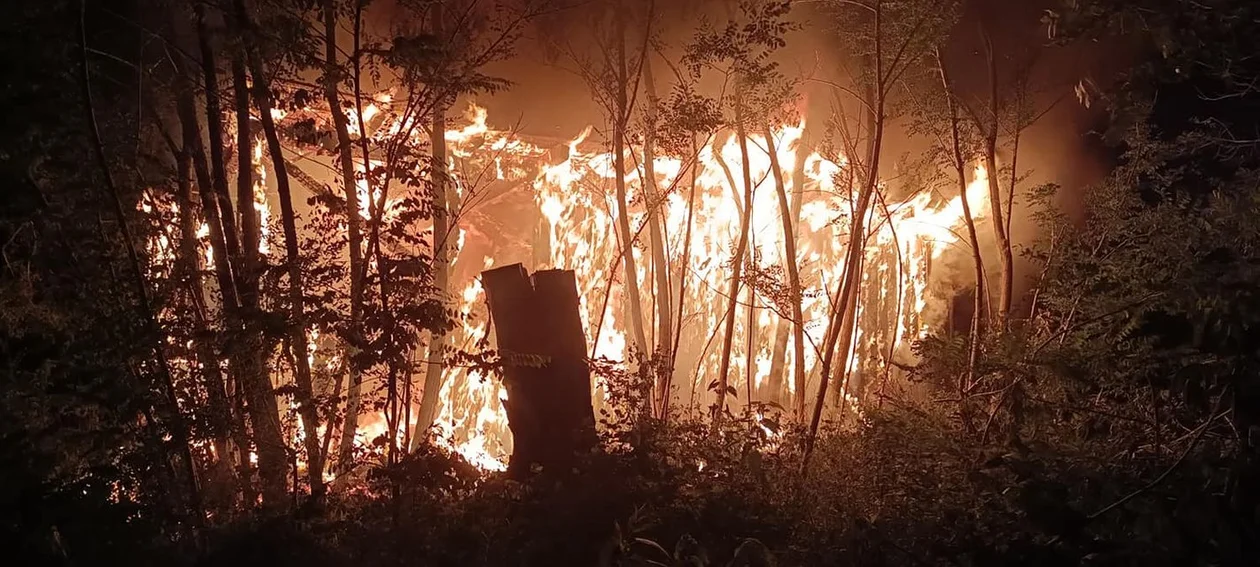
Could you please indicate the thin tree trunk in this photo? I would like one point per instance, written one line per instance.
(736, 268)
(750, 344)
(214, 127)
(800, 375)
(212, 379)
(682, 275)
(660, 263)
(620, 122)
(848, 327)
(854, 267)
(842, 311)
(302, 370)
(790, 217)
(773, 390)
(977, 261)
(1007, 282)
(249, 355)
(242, 259)
(212, 210)
(443, 228)
(350, 422)
(194, 156)
(345, 160)
(251, 231)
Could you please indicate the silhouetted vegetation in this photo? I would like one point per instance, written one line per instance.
(158, 406)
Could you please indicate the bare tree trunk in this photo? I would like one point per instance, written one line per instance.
(212, 209)
(345, 160)
(249, 354)
(194, 156)
(682, 273)
(773, 390)
(750, 344)
(855, 265)
(214, 127)
(1007, 281)
(848, 326)
(620, 122)
(443, 228)
(842, 313)
(298, 343)
(790, 215)
(977, 261)
(212, 379)
(350, 422)
(737, 261)
(660, 262)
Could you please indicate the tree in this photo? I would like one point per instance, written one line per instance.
(790, 215)
(333, 77)
(298, 344)
(888, 38)
(654, 202)
(741, 53)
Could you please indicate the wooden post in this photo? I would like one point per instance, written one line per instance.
(540, 338)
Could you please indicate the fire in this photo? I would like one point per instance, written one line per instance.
(577, 208)
(575, 199)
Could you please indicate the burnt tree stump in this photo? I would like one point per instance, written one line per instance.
(538, 327)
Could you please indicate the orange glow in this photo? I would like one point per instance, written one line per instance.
(576, 201)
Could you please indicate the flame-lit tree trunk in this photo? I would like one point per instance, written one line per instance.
(248, 357)
(891, 46)
(303, 390)
(354, 392)
(790, 216)
(212, 378)
(621, 121)
(844, 316)
(443, 229)
(741, 52)
(660, 262)
(193, 154)
(683, 270)
(345, 162)
(214, 127)
(737, 262)
(840, 324)
(847, 313)
(841, 318)
(250, 354)
(977, 261)
(241, 265)
(798, 198)
(1006, 283)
